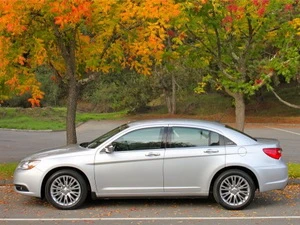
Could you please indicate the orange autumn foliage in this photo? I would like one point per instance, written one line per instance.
(107, 34)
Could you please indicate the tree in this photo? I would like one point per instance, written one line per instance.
(78, 40)
(171, 67)
(243, 43)
(17, 77)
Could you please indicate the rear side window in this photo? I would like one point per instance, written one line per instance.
(228, 142)
(180, 137)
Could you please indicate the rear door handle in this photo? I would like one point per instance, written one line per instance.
(210, 151)
(152, 154)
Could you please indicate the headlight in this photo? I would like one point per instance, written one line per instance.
(28, 165)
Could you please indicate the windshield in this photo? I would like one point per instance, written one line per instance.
(98, 141)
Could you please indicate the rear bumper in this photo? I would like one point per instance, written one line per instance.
(272, 178)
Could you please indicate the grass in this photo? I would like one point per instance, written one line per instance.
(32, 118)
(84, 117)
(7, 170)
(46, 118)
(294, 170)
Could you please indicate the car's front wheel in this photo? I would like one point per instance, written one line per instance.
(234, 189)
(66, 189)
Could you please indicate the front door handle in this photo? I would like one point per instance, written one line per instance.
(152, 154)
(209, 151)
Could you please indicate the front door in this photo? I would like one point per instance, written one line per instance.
(135, 167)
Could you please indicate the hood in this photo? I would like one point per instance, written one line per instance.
(56, 152)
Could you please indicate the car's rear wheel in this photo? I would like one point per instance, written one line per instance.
(66, 189)
(234, 189)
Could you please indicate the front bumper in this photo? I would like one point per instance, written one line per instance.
(28, 182)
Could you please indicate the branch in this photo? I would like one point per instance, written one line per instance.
(59, 38)
(285, 102)
(91, 77)
(201, 41)
(114, 36)
(230, 93)
(250, 37)
(52, 67)
(213, 53)
(109, 42)
(219, 46)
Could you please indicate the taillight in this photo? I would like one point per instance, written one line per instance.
(274, 153)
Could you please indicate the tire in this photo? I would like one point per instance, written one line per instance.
(234, 189)
(66, 189)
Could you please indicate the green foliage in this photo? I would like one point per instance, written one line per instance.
(245, 42)
(18, 101)
(121, 91)
(52, 88)
(294, 170)
(207, 104)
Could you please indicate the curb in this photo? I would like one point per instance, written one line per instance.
(6, 182)
(10, 182)
(25, 130)
(294, 181)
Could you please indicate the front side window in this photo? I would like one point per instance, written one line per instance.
(180, 137)
(98, 141)
(147, 138)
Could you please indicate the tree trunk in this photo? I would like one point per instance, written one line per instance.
(173, 103)
(67, 45)
(72, 95)
(239, 110)
(170, 96)
(168, 101)
(71, 111)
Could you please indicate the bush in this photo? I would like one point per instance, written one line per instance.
(120, 91)
(52, 88)
(18, 101)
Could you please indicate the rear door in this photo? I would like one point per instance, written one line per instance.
(192, 157)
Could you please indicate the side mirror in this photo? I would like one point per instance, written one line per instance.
(84, 144)
(109, 149)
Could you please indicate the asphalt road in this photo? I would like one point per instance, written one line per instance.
(269, 208)
(15, 145)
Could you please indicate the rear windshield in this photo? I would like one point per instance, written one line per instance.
(240, 132)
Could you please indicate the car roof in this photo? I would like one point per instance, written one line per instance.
(186, 122)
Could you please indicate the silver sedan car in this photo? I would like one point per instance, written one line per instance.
(157, 158)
